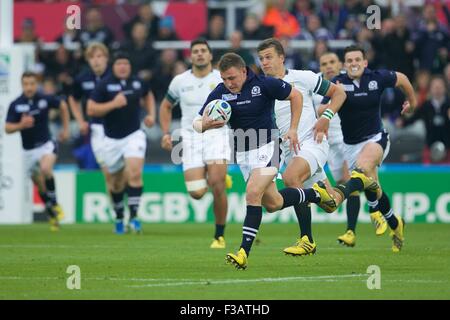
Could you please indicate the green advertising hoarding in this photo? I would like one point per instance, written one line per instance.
(421, 196)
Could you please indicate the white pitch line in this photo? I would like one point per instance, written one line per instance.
(233, 281)
(172, 282)
(93, 279)
(61, 246)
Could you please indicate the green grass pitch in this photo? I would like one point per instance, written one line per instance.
(174, 262)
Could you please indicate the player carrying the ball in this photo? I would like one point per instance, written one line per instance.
(256, 142)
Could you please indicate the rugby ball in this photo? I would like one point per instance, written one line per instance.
(219, 110)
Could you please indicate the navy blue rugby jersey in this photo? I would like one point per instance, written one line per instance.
(37, 107)
(361, 112)
(253, 107)
(82, 88)
(121, 122)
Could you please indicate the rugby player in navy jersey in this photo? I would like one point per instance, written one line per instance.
(96, 54)
(252, 98)
(29, 115)
(366, 142)
(118, 98)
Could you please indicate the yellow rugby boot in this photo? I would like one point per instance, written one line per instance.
(218, 243)
(303, 247)
(239, 260)
(379, 222)
(369, 183)
(58, 211)
(327, 201)
(398, 236)
(347, 239)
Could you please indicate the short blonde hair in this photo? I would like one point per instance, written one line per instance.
(94, 47)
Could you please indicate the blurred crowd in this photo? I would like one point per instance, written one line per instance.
(411, 40)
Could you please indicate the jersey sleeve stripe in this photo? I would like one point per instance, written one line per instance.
(171, 98)
(323, 88)
(319, 82)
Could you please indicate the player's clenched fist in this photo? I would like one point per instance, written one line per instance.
(26, 121)
(120, 100)
(166, 142)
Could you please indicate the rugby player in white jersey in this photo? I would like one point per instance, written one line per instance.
(205, 155)
(305, 167)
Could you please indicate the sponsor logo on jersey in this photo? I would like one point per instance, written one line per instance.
(229, 97)
(349, 87)
(22, 108)
(113, 87)
(88, 85)
(187, 89)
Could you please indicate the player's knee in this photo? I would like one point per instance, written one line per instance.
(47, 171)
(253, 196)
(198, 194)
(117, 186)
(292, 181)
(135, 176)
(217, 185)
(271, 206)
(197, 188)
(366, 165)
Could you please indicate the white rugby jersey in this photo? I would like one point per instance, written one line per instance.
(308, 83)
(191, 92)
(334, 131)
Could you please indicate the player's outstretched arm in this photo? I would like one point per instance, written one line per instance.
(96, 109)
(65, 119)
(405, 85)
(75, 108)
(165, 119)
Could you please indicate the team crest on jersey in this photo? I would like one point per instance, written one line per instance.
(42, 104)
(373, 85)
(256, 91)
(229, 97)
(136, 85)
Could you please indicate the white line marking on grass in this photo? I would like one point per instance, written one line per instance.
(233, 281)
(61, 246)
(94, 279)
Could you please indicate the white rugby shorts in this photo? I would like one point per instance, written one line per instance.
(201, 148)
(117, 150)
